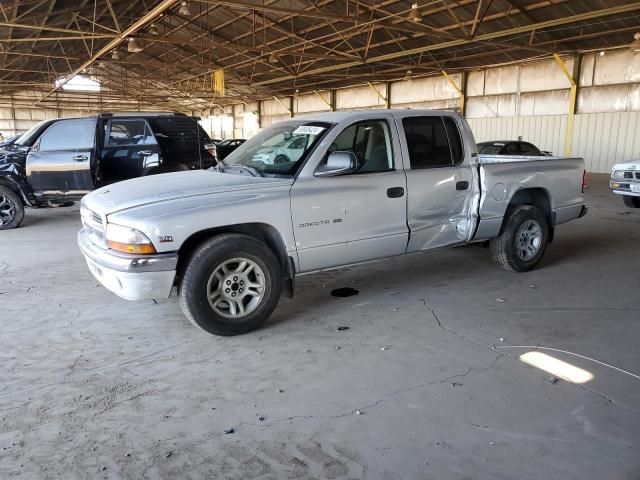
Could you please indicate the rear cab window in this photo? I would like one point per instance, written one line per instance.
(433, 142)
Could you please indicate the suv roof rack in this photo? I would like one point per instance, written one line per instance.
(141, 114)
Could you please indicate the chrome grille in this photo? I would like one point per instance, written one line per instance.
(94, 226)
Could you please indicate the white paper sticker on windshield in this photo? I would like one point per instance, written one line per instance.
(308, 130)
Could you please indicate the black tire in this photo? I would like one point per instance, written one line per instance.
(506, 249)
(198, 274)
(11, 209)
(631, 202)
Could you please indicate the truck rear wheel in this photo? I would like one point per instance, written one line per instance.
(231, 285)
(11, 209)
(631, 202)
(523, 240)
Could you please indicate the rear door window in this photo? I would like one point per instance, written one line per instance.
(428, 142)
(129, 132)
(455, 141)
(69, 135)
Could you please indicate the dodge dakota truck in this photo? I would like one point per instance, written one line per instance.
(625, 181)
(366, 185)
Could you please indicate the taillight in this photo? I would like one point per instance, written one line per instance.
(584, 180)
(211, 149)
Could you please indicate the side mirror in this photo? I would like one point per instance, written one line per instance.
(338, 163)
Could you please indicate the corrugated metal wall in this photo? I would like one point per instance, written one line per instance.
(547, 132)
(603, 139)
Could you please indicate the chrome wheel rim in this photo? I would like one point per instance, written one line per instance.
(528, 240)
(7, 210)
(236, 288)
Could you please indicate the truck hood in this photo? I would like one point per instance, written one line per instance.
(171, 186)
(627, 165)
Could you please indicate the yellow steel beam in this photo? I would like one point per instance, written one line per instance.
(289, 109)
(324, 99)
(457, 89)
(385, 99)
(572, 103)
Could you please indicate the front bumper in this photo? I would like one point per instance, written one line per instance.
(132, 277)
(625, 187)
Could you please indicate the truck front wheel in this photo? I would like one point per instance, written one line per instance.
(523, 240)
(231, 285)
(631, 202)
(11, 209)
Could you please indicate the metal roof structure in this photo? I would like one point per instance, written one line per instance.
(278, 47)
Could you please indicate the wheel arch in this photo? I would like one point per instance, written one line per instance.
(6, 181)
(537, 197)
(264, 232)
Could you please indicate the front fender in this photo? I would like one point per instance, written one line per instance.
(13, 176)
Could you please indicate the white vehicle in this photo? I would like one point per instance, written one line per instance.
(625, 181)
(285, 151)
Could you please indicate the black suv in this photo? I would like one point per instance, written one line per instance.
(58, 161)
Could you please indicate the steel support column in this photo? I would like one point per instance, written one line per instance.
(573, 93)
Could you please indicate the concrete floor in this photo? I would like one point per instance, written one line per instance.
(97, 387)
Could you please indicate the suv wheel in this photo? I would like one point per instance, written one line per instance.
(523, 240)
(231, 285)
(11, 209)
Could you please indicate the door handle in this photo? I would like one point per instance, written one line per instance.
(395, 192)
(80, 158)
(462, 185)
(145, 153)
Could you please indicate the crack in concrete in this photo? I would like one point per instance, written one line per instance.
(609, 399)
(456, 334)
(364, 408)
(384, 397)
(493, 349)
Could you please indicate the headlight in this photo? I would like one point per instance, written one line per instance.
(618, 175)
(128, 240)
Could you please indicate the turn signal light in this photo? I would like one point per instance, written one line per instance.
(142, 248)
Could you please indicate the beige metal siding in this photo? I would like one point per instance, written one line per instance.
(603, 139)
(546, 132)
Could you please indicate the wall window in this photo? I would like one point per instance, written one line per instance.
(370, 141)
(69, 135)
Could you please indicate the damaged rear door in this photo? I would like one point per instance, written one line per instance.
(441, 181)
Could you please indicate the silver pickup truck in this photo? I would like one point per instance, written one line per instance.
(365, 186)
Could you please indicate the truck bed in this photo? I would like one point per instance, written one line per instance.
(502, 176)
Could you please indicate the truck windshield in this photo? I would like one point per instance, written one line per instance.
(278, 150)
(29, 137)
